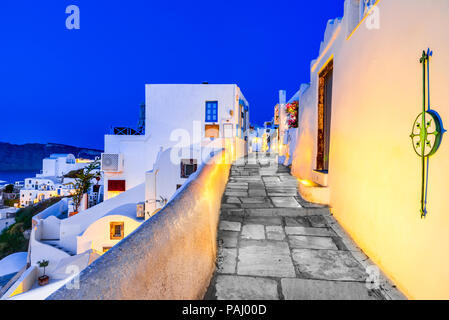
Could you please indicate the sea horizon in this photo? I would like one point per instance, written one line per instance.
(16, 175)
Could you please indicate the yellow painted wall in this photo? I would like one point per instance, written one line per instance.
(374, 174)
(97, 235)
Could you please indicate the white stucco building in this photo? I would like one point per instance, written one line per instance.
(177, 116)
(39, 189)
(58, 165)
(184, 125)
(51, 181)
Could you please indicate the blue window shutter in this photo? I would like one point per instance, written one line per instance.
(212, 111)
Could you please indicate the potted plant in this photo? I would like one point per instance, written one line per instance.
(83, 181)
(292, 112)
(43, 280)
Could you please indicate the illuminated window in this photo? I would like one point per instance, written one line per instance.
(212, 130)
(116, 230)
(188, 166)
(106, 249)
(211, 111)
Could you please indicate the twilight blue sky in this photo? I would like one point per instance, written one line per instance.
(70, 86)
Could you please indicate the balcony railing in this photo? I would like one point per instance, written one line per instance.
(126, 131)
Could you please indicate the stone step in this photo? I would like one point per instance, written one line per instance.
(57, 246)
(286, 212)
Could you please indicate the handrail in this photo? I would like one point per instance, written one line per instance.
(11, 281)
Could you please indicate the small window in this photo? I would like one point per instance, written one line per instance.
(227, 130)
(211, 111)
(117, 185)
(188, 166)
(106, 249)
(178, 186)
(116, 230)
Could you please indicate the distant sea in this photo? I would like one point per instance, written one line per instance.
(13, 176)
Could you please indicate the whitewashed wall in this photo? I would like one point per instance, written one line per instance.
(374, 174)
(164, 249)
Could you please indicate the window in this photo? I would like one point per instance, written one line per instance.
(178, 186)
(227, 130)
(106, 249)
(116, 230)
(212, 130)
(188, 166)
(365, 6)
(117, 185)
(324, 117)
(211, 111)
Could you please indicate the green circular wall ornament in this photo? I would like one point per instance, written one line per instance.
(427, 131)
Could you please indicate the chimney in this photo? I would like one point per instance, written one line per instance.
(282, 96)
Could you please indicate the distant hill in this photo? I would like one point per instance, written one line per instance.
(28, 157)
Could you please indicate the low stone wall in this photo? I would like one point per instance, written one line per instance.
(171, 255)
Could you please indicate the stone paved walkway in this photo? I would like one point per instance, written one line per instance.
(274, 245)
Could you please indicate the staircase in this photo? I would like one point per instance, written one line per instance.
(55, 243)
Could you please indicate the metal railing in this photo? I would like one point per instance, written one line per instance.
(126, 131)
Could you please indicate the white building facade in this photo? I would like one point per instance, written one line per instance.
(211, 116)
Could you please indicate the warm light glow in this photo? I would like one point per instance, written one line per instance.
(307, 183)
(83, 160)
(112, 194)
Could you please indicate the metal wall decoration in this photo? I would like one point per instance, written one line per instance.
(427, 131)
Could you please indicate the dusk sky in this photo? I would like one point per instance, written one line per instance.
(70, 86)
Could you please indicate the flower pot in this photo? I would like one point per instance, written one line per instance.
(73, 213)
(43, 280)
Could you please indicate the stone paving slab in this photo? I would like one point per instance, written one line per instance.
(228, 261)
(255, 200)
(232, 200)
(276, 212)
(275, 233)
(328, 265)
(317, 221)
(307, 289)
(245, 288)
(297, 222)
(306, 231)
(253, 232)
(238, 212)
(233, 193)
(310, 242)
(229, 225)
(265, 259)
(267, 221)
(228, 239)
(257, 193)
(285, 202)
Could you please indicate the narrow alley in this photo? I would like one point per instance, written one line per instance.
(274, 245)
